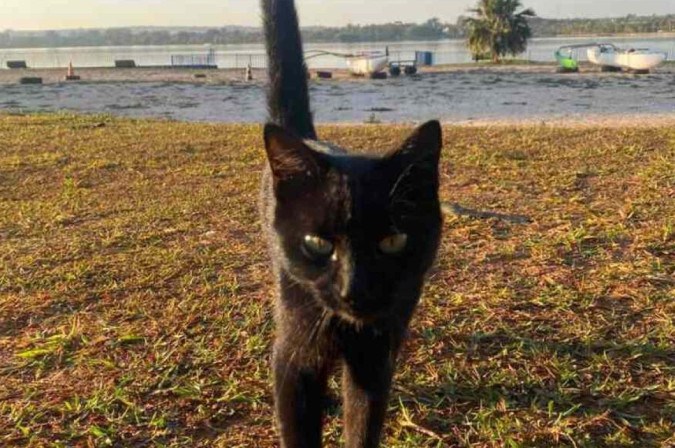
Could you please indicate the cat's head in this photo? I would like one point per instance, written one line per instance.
(358, 232)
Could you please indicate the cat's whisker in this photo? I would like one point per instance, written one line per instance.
(316, 327)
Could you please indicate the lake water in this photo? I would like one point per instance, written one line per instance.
(451, 97)
(234, 56)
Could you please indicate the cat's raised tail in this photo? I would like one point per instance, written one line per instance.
(288, 95)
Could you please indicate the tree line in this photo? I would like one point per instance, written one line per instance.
(432, 29)
(630, 24)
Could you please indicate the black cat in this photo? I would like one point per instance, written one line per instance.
(351, 239)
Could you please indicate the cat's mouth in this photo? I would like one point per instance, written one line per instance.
(359, 309)
(355, 319)
(358, 313)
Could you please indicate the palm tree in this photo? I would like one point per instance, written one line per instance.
(498, 29)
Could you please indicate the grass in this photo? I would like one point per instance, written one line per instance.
(135, 298)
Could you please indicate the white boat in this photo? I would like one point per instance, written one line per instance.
(367, 63)
(632, 59)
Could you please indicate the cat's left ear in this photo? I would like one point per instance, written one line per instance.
(421, 151)
(293, 163)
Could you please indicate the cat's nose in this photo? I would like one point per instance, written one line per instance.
(352, 288)
(346, 276)
(346, 282)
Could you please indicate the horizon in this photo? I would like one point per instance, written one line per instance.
(259, 26)
(31, 15)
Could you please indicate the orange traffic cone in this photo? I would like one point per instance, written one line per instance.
(71, 76)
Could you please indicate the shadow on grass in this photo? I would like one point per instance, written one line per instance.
(600, 400)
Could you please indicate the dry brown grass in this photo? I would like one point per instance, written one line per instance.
(135, 294)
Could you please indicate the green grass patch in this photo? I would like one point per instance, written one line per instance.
(136, 303)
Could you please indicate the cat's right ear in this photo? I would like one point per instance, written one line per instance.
(292, 162)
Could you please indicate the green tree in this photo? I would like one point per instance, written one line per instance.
(498, 29)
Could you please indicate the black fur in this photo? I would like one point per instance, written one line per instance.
(349, 307)
(288, 96)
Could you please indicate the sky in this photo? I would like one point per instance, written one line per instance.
(61, 14)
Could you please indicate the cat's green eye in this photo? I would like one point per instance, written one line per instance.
(394, 244)
(317, 246)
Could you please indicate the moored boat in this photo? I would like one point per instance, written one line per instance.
(367, 63)
(639, 59)
(565, 57)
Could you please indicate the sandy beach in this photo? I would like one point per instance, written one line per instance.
(220, 76)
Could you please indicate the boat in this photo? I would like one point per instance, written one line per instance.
(364, 63)
(568, 56)
(638, 59)
(367, 63)
(565, 57)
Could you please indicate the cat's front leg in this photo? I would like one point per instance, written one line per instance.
(300, 384)
(369, 362)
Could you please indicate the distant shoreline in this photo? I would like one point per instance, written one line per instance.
(364, 42)
(620, 35)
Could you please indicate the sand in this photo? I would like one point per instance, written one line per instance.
(219, 76)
